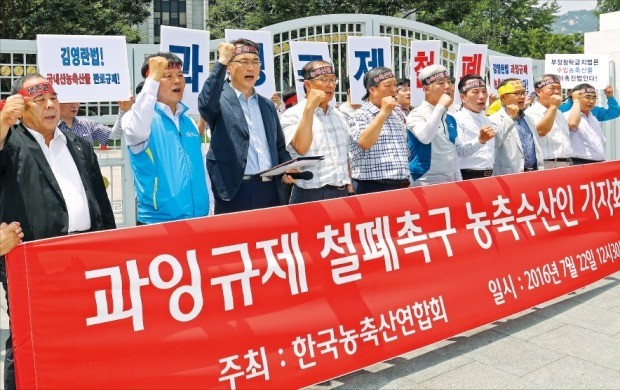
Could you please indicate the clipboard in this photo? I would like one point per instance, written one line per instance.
(291, 164)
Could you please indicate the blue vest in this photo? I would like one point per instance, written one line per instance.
(169, 174)
(420, 154)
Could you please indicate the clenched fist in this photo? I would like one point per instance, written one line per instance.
(225, 51)
(157, 67)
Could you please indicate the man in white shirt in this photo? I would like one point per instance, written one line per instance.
(587, 140)
(50, 182)
(475, 142)
(315, 128)
(552, 127)
(432, 150)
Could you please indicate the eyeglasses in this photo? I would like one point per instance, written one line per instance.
(248, 63)
(591, 98)
(326, 81)
(517, 94)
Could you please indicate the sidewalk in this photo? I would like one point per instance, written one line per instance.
(572, 342)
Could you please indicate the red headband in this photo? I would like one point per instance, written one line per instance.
(547, 81)
(588, 90)
(170, 66)
(319, 72)
(244, 49)
(435, 77)
(473, 83)
(290, 101)
(32, 91)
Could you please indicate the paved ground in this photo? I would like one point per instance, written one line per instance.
(572, 342)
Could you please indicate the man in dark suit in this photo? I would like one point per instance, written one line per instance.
(50, 182)
(246, 135)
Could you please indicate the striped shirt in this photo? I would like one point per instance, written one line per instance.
(388, 157)
(556, 144)
(92, 131)
(330, 139)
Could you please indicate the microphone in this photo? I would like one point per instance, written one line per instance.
(301, 175)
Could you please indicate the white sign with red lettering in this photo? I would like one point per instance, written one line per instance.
(576, 69)
(423, 54)
(471, 59)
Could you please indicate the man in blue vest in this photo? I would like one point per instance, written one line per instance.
(165, 147)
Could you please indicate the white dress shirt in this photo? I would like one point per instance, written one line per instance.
(469, 124)
(68, 177)
(556, 144)
(588, 141)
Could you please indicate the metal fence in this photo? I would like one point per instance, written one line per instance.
(19, 57)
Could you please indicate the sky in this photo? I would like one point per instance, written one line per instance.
(575, 5)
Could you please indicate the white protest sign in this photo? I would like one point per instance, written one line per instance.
(471, 59)
(266, 84)
(85, 68)
(302, 53)
(423, 54)
(575, 69)
(503, 67)
(364, 54)
(192, 47)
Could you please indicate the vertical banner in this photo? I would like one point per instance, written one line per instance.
(575, 69)
(471, 59)
(289, 296)
(192, 47)
(266, 84)
(423, 54)
(302, 53)
(503, 67)
(85, 68)
(363, 54)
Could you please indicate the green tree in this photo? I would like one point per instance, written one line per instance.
(516, 27)
(605, 6)
(24, 19)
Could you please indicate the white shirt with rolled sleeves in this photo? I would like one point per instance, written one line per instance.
(68, 177)
(330, 139)
(556, 143)
(588, 141)
(472, 153)
(428, 125)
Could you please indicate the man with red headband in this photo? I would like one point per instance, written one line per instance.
(246, 136)
(314, 127)
(551, 126)
(587, 139)
(165, 146)
(378, 137)
(50, 182)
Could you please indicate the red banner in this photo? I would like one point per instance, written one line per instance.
(295, 295)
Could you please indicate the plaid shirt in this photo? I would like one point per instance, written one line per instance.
(330, 139)
(388, 157)
(89, 130)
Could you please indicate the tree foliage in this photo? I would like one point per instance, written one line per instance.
(24, 19)
(516, 27)
(605, 6)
